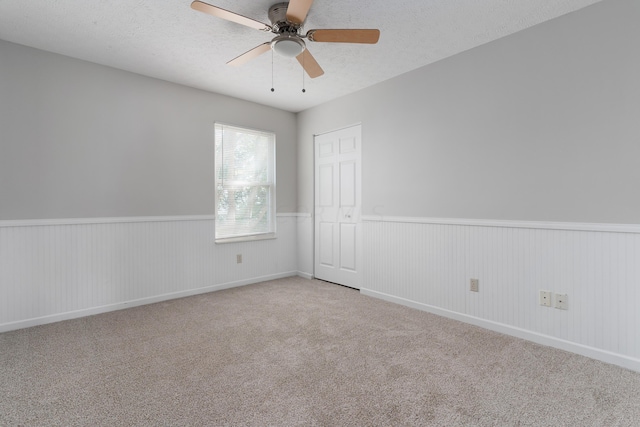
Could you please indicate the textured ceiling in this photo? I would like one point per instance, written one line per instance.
(170, 41)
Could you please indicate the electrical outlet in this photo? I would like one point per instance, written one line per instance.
(562, 301)
(545, 298)
(239, 259)
(474, 285)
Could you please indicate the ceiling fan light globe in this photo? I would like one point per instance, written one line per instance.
(288, 46)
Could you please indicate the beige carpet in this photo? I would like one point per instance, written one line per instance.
(298, 352)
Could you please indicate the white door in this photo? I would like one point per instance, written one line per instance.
(338, 229)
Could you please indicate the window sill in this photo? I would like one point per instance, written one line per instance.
(266, 236)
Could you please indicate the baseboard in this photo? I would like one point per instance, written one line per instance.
(591, 352)
(304, 275)
(27, 323)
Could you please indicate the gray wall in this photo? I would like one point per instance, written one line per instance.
(542, 125)
(80, 140)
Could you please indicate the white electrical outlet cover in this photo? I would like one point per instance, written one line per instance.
(545, 298)
(562, 301)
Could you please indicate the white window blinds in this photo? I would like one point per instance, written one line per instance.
(245, 183)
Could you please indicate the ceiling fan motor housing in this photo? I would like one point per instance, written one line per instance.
(278, 18)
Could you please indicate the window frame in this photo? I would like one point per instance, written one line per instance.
(271, 184)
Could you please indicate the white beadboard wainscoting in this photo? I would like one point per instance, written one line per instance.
(60, 269)
(305, 245)
(428, 263)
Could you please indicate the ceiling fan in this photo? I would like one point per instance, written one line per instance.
(286, 22)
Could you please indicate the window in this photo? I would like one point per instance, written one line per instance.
(245, 184)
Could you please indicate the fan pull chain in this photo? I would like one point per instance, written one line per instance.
(303, 89)
(272, 89)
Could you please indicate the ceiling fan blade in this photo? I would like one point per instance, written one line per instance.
(297, 10)
(309, 64)
(229, 16)
(344, 36)
(249, 55)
